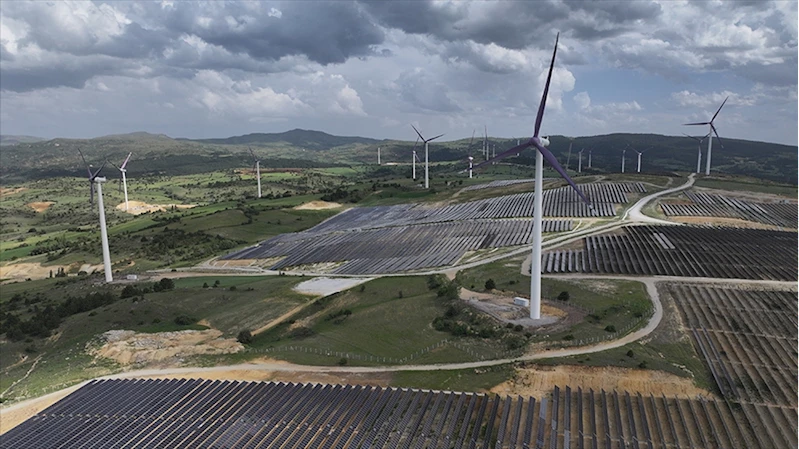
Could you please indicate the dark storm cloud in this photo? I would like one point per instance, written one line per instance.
(327, 33)
(70, 72)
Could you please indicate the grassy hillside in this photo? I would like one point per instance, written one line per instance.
(159, 154)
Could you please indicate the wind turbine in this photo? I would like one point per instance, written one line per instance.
(540, 143)
(415, 158)
(470, 158)
(569, 158)
(257, 170)
(623, 157)
(122, 170)
(95, 181)
(710, 140)
(580, 161)
(591, 150)
(639, 158)
(378, 155)
(485, 143)
(426, 156)
(699, 150)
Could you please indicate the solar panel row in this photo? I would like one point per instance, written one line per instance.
(229, 414)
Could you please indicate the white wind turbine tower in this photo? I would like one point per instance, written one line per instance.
(415, 158)
(580, 161)
(639, 158)
(378, 155)
(699, 150)
(426, 156)
(590, 151)
(257, 163)
(123, 170)
(485, 143)
(710, 140)
(568, 158)
(96, 181)
(623, 157)
(470, 158)
(540, 143)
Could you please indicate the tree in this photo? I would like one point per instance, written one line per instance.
(563, 296)
(244, 337)
(490, 284)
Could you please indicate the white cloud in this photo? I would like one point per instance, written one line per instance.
(712, 100)
(274, 12)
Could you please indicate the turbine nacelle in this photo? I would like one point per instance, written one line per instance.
(544, 141)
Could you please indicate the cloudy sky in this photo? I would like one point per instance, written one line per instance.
(371, 68)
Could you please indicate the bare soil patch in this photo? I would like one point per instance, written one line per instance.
(131, 348)
(502, 309)
(538, 381)
(140, 207)
(40, 206)
(11, 190)
(317, 205)
(24, 270)
(722, 221)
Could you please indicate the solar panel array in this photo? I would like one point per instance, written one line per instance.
(501, 183)
(707, 205)
(407, 237)
(693, 251)
(230, 414)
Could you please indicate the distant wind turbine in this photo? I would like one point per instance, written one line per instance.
(540, 143)
(580, 161)
(257, 164)
(569, 158)
(591, 150)
(123, 170)
(623, 157)
(470, 158)
(95, 182)
(378, 155)
(639, 158)
(485, 143)
(710, 140)
(415, 158)
(426, 156)
(699, 150)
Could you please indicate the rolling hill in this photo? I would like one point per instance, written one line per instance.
(158, 153)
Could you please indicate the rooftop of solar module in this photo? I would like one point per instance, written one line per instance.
(229, 414)
(410, 237)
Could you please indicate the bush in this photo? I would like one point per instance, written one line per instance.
(184, 320)
(490, 284)
(163, 285)
(610, 328)
(630, 353)
(563, 296)
(568, 337)
(642, 365)
(244, 337)
(342, 361)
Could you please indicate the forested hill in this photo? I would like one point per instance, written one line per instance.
(302, 138)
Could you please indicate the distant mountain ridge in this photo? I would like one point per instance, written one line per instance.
(8, 139)
(303, 138)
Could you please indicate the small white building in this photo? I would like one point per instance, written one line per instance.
(519, 301)
(132, 277)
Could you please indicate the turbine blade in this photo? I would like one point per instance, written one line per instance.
(97, 172)
(418, 133)
(698, 123)
(719, 110)
(471, 141)
(252, 154)
(717, 135)
(115, 165)
(91, 193)
(554, 163)
(434, 138)
(86, 164)
(540, 117)
(415, 144)
(126, 160)
(504, 154)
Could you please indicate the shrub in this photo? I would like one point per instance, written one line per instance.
(342, 361)
(184, 320)
(490, 284)
(630, 353)
(244, 337)
(610, 328)
(563, 296)
(568, 337)
(642, 365)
